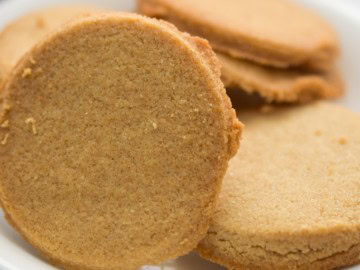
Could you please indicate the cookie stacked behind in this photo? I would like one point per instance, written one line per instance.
(20, 35)
(274, 38)
(291, 196)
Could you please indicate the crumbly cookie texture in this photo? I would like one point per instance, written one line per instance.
(291, 196)
(280, 85)
(118, 141)
(21, 35)
(275, 32)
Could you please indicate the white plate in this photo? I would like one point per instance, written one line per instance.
(15, 254)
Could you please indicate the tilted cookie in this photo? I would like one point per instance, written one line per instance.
(116, 134)
(291, 196)
(273, 32)
(280, 85)
(20, 35)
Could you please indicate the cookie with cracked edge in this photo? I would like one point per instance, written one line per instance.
(117, 139)
(278, 33)
(291, 196)
(280, 85)
(20, 35)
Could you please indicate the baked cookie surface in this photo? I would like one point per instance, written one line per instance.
(274, 32)
(280, 85)
(20, 35)
(115, 136)
(291, 196)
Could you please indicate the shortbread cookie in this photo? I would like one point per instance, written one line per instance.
(273, 32)
(20, 35)
(280, 85)
(291, 196)
(116, 135)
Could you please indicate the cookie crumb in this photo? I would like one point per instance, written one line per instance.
(5, 124)
(154, 125)
(32, 61)
(5, 139)
(32, 121)
(6, 107)
(3, 114)
(27, 72)
(184, 241)
(266, 108)
(342, 140)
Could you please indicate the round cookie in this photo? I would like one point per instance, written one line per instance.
(280, 85)
(116, 136)
(273, 32)
(20, 35)
(291, 196)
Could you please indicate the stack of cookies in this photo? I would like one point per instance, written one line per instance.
(291, 196)
(116, 135)
(273, 48)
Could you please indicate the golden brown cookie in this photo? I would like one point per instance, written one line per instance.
(273, 32)
(280, 85)
(118, 135)
(20, 35)
(291, 196)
